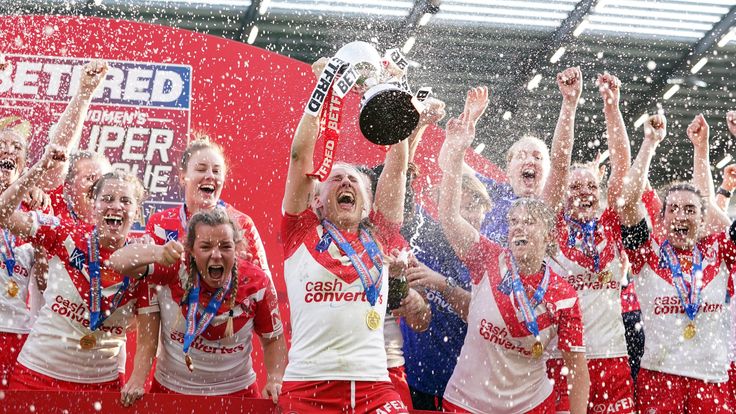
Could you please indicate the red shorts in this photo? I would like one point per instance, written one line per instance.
(398, 378)
(25, 379)
(666, 393)
(250, 392)
(350, 397)
(611, 387)
(546, 407)
(10, 344)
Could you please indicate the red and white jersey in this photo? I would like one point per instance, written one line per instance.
(393, 341)
(705, 356)
(330, 337)
(53, 345)
(222, 364)
(496, 372)
(732, 343)
(60, 206)
(167, 225)
(599, 292)
(15, 316)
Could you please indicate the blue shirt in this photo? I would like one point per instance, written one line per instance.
(430, 356)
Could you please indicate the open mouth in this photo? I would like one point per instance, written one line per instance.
(681, 231)
(346, 200)
(529, 175)
(7, 164)
(216, 271)
(208, 189)
(586, 204)
(114, 221)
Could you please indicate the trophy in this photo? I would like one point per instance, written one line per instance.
(389, 112)
(365, 60)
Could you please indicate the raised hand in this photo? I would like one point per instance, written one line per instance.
(570, 82)
(731, 122)
(698, 131)
(434, 111)
(460, 132)
(476, 103)
(655, 128)
(609, 87)
(729, 178)
(169, 253)
(91, 77)
(319, 66)
(53, 157)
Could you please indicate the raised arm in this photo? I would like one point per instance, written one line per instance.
(618, 140)
(655, 130)
(570, 82)
(299, 187)
(67, 132)
(728, 185)
(699, 134)
(391, 187)
(133, 259)
(20, 223)
(461, 235)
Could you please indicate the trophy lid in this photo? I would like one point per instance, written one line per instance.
(387, 115)
(360, 52)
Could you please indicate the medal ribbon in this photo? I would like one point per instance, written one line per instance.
(195, 327)
(8, 253)
(370, 246)
(587, 231)
(95, 284)
(689, 297)
(329, 120)
(525, 305)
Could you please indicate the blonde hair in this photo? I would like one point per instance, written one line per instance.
(472, 184)
(364, 186)
(199, 141)
(526, 138)
(537, 209)
(16, 124)
(20, 127)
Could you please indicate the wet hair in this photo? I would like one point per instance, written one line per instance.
(472, 184)
(681, 186)
(199, 142)
(78, 156)
(212, 218)
(139, 191)
(526, 138)
(540, 211)
(363, 185)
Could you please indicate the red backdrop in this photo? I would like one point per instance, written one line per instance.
(248, 99)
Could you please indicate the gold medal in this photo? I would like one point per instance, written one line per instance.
(605, 276)
(188, 361)
(537, 350)
(372, 319)
(13, 289)
(87, 342)
(689, 332)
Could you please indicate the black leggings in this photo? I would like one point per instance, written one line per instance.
(634, 340)
(423, 401)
